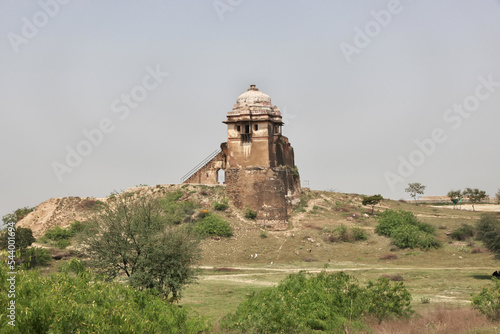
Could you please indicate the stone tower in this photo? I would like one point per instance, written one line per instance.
(258, 161)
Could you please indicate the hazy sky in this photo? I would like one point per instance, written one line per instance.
(375, 94)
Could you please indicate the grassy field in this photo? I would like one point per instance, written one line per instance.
(447, 276)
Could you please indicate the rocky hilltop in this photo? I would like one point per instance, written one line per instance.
(62, 211)
(58, 211)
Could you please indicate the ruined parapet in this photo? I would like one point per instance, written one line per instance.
(209, 172)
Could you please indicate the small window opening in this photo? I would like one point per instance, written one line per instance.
(256, 127)
(221, 176)
(247, 128)
(238, 128)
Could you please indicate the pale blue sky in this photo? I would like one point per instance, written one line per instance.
(349, 122)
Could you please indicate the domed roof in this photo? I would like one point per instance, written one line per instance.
(253, 96)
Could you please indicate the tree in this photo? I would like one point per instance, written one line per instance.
(23, 238)
(415, 189)
(17, 215)
(372, 200)
(497, 195)
(133, 235)
(455, 196)
(475, 196)
(488, 231)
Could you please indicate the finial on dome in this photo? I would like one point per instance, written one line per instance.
(252, 87)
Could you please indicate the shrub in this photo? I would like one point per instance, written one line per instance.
(386, 300)
(222, 205)
(62, 243)
(69, 303)
(36, 257)
(427, 242)
(250, 214)
(57, 233)
(406, 231)
(263, 234)
(346, 234)
(359, 234)
(326, 302)
(213, 225)
(406, 236)
(425, 300)
(343, 233)
(488, 231)
(389, 220)
(389, 257)
(76, 227)
(488, 301)
(393, 278)
(175, 211)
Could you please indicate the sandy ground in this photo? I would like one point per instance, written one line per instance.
(468, 207)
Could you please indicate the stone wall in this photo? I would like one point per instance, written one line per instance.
(208, 173)
(271, 192)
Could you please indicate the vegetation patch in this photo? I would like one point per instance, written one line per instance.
(250, 214)
(463, 233)
(328, 302)
(222, 205)
(345, 234)
(488, 230)
(75, 301)
(213, 225)
(406, 231)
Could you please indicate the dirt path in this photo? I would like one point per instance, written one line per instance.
(296, 270)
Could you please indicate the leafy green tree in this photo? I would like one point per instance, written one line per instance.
(133, 235)
(17, 215)
(475, 196)
(415, 189)
(488, 231)
(372, 200)
(455, 196)
(23, 238)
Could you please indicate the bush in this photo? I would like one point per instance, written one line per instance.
(346, 234)
(488, 301)
(359, 234)
(62, 243)
(406, 231)
(76, 227)
(222, 205)
(463, 233)
(488, 231)
(213, 225)
(250, 214)
(36, 257)
(23, 238)
(326, 302)
(406, 236)
(69, 303)
(263, 234)
(57, 233)
(177, 212)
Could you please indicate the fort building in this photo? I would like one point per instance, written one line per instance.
(257, 161)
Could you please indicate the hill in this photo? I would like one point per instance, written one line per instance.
(230, 268)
